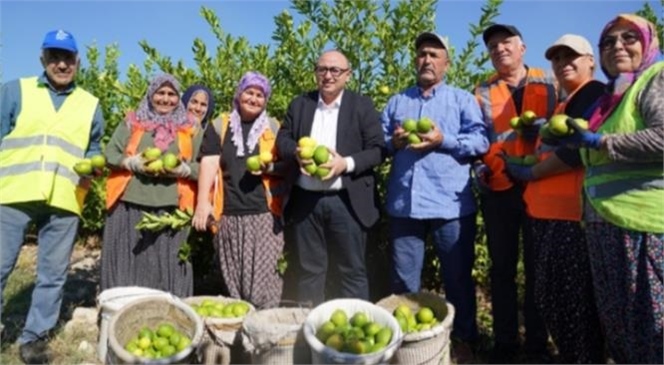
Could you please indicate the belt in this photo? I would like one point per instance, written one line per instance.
(320, 192)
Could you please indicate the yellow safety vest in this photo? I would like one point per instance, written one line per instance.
(38, 156)
(629, 195)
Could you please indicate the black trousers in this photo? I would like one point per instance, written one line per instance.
(504, 219)
(324, 230)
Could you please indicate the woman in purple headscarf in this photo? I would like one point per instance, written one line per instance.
(623, 154)
(240, 185)
(137, 186)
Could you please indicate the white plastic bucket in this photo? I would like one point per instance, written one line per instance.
(112, 300)
(321, 354)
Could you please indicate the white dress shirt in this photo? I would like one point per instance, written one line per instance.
(324, 131)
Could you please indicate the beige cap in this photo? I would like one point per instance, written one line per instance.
(575, 42)
(429, 36)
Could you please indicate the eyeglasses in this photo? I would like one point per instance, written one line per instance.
(626, 38)
(334, 71)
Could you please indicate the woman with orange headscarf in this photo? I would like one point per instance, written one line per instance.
(623, 153)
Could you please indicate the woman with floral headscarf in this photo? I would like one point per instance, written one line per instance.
(199, 101)
(145, 257)
(248, 204)
(623, 152)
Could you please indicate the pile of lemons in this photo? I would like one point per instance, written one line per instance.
(161, 342)
(359, 335)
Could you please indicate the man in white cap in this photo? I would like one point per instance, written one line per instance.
(514, 89)
(47, 124)
(563, 282)
(429, 190)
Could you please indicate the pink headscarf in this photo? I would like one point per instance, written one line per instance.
(618, 84)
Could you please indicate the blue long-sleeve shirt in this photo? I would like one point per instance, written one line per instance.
(10, 108)
(434, 184)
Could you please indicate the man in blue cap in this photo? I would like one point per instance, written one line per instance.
(47, 124)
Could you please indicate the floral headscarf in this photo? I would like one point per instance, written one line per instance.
(618, 84)
(248, 80)
(189, 93)
(164, 126)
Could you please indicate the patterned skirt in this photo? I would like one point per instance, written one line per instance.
(150, 259)
(627, 273)
(249, 247)
(564, 291)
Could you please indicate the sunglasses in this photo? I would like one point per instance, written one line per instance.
(626, 38)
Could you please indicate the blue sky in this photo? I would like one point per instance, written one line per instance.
(171, 26)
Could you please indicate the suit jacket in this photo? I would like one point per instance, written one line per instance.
(359, 135)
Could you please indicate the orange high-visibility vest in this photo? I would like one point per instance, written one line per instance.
(559, 196)
(119, 179)
(275, 187)
(495, 99)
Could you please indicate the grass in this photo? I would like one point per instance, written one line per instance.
(64, 346)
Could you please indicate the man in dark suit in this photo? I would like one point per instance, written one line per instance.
(331, 215)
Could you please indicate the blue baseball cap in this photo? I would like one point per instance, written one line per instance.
(60, 39)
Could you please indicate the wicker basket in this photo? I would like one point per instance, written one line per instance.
(431, 347)
(151, 312)
(274, 336)
(222, 338)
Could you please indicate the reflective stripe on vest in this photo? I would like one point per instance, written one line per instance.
(119, 179)
(628, 195)
(274, 187)
(497, 105)
(37, 157)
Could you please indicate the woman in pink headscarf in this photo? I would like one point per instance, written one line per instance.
(145, 257)
(247, 202)
(623, 153)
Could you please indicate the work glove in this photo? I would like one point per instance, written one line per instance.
(481, 174)
(134, 163)
(181, 171)
(530, 132)
(581, 137)
(517, 172)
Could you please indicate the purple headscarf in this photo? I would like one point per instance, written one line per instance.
(618, 84)
(260, 123)
(189, 93)
(164, 126)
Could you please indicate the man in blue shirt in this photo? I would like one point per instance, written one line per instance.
(429, 189)
(47, 123)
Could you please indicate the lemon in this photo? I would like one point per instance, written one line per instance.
(359, 319)
(383, 336)
(425, 315)
(306, 152)
(98, 161)
(413, 138)
(409, 125)
(306, 142)
(558, 125)
(253, 163)
(321, 155)
(424, 125)
(335, 341)
(339, 318)
(528, 117)
(165, 330)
